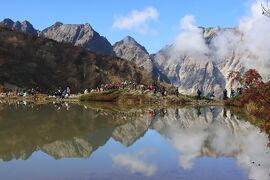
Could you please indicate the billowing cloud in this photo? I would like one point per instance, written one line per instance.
(226, 43)
(249, 41)
(137, 20)
(134, 163)
(256, 30)
(190, 41)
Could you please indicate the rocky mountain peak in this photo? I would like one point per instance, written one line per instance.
(26, 23)
(79, 35)
(24, 26)
(8, 22)
(28, 27)
(17, 25)
(57, 24)
(131, 50)
(129, 39)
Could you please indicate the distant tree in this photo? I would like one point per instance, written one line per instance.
(265, 9)
(250, 79)
(255, 89)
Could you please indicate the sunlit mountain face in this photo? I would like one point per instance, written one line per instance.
(106, 142)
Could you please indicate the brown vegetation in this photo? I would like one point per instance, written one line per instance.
(256, 97)
(130, 98)
(30, 61)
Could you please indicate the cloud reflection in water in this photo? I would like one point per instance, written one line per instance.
(221, 136)
(135, 162)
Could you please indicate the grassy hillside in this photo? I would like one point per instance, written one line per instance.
(29, 61)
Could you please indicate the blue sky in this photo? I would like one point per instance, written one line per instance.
(154, 33)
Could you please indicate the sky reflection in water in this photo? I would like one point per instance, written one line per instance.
(48, 142)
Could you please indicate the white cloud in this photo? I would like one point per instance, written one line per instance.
(249, 41)
(190, 41)
(137, 20)
(225, 44)
(134, 163)
(256, 30)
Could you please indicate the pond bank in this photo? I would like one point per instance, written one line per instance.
(38, 99)
(131, 97)
(120, 98)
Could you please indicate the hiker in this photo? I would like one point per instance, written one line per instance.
(232, 93)
(59, 92)
(151, 87)
(33, 92)
(68, 91)
(199, 93)
(239, 90)
(134, 85)
(163, 91)
(142, 87)
(125, 84)
(225, 95)
(155, 89)
(93, 90)
(29, 92)
(24, 93)
(64, 94)
(212, 95)
(176, 91)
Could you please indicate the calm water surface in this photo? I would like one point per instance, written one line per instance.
(61, 141)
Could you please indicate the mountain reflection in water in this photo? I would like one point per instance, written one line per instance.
(76, 131)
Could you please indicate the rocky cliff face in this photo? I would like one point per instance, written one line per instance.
(24, 26)
(80, 35)
(77, 146)
(129, 133)
(131, 50)
(207, 72)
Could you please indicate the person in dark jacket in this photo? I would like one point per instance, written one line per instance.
(199, 93)
(212, 95)
(176, 91)
(225, 94)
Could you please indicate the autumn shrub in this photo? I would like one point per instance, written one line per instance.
(256, 96)
(253, 109)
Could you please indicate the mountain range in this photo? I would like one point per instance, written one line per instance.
(186, 71)
(28, 61)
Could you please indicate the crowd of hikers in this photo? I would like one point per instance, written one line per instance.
(154, 88)
(66, 92)
(233, 93)
(23, 92)
(20, 92)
